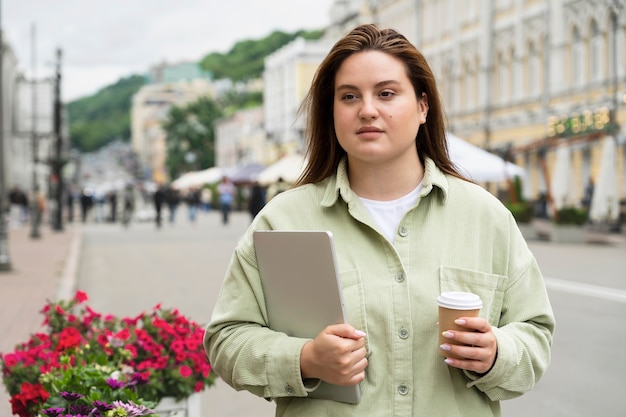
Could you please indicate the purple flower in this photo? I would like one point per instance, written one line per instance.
(138, 379)
(114, 383)
(53, 411)
(80, 409)
(102, 406)
(70, 396)
(132, 409)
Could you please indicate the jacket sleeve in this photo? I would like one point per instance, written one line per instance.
(525, 329)
(241, 348)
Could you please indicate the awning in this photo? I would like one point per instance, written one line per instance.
(479, 165)
(288, 168)
(197, 178)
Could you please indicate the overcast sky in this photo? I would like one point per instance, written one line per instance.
(103, 40)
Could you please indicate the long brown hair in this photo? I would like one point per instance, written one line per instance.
(323, 150)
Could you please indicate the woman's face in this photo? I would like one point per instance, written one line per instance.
(376, 112)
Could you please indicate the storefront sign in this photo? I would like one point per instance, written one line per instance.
(574, 124)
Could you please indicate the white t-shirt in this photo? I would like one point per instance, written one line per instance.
(388, 214)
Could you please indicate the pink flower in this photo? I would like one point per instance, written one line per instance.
(185, 371)
(80, 296)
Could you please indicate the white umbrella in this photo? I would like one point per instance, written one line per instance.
(604, 202)
(479, 165)
(198, 178)
(288, 168)
(562, 181)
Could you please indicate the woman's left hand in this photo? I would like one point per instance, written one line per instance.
(479, 346)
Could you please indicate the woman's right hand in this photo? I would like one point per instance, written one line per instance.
(336, 355)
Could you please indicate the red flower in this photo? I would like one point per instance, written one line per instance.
(132, 349)
(185, 371)
(123, 334)
(80, 296)
(199, 386)
(11, 360)
(69, 337)
(29, 397)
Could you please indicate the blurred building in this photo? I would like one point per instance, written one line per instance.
(287, 78)
(518, 78)
(174, 86)
(10, 73)
(167, 73)
(524, 78)
(241, 140)
(27, 123)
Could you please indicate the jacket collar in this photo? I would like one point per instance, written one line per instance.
(339, 185)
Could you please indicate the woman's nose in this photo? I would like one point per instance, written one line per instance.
(368, 109)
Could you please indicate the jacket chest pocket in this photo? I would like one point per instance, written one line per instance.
(489, 287)
(354, 301)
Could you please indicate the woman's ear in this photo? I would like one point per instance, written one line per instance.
(422, 105)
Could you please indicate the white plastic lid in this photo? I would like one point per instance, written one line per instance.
(458, 300)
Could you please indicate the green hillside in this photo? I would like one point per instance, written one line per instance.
(96, 120)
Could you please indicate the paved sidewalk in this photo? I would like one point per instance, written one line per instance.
(42, 269)
(46, 268)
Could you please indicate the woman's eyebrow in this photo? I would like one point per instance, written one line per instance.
(377, 85)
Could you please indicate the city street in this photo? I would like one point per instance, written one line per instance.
(126, 271)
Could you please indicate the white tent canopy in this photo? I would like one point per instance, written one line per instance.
(479, 165)
(473, 162)
(288, 168)
(197, 178)
(605, 202)
(562, 183)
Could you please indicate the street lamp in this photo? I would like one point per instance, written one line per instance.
(5, 260)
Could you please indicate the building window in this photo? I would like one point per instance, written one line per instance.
(596, 52)
(577, 59)
(534, 78)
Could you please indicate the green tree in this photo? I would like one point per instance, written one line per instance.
(246, 58)
(96, 120)
(191, 136)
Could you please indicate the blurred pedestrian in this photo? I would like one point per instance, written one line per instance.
(406, 225)
(86, 202)
(257, 200)
(159, 200)
(192, 199)
(276, 188)
(206, 196)
(70, 200)
(226, 190)
(128, 204)
(172, 198)
(18, 206)
(112, 199)
(588, 195)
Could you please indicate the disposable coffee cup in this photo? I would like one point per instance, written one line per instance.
(453, 305)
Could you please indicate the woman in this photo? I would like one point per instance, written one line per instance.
(407, 226)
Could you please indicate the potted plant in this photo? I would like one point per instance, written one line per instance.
(522, 210)
(151, 358)
(569, 225)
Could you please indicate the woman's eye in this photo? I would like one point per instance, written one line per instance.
(387, 94)
(348, 96)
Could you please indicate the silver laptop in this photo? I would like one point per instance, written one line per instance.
(302, 290)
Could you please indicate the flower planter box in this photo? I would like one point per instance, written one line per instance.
(568, 234)
(188, 407)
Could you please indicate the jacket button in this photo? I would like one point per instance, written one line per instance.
(403, 389)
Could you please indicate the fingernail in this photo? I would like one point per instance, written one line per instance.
(448, 361)
(359, 333)
(448, 334)
(445, 347)
(460, 322)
